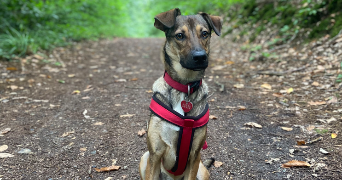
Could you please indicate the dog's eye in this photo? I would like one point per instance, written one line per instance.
(179, 36)
(205, 34)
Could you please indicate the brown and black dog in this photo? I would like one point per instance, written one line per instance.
(185, 56)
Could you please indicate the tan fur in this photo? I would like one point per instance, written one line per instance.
(162, 136)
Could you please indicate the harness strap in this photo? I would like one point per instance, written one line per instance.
(187, 125)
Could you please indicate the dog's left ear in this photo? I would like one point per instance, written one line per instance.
(215, 22)
(166, 20)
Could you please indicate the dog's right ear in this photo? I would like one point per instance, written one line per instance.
(166, 20)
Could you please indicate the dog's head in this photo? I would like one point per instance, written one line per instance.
(187, 42)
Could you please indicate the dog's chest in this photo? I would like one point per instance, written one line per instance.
(178, 104)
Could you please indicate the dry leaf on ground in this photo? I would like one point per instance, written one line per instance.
(83, 149)
(295, 163)
(289, 91)
(218, 164)
(266, 86)
(315, 83)
(98, 124)
(68, 133)
(323, 151)
(301, 142)
(106, 169)
(278, 95)
(76, 92)
(127, 115)
(239, 86)
(121, 80)
(229, 62)
(212, 117)
(6, 155)
(333, 135)
(149, 91)
(253, 124)
(316, 103)
(332, 100)
(134, 79)
(241, 108)
(286, 128)
(141, 132)
(71, 75)
(3, 148)
(11, 69)
(4, 131)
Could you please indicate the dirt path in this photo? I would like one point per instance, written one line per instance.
(113, 78)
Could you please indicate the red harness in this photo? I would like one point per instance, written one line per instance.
(187, 124)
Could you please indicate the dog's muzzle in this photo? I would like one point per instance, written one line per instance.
(197, 61)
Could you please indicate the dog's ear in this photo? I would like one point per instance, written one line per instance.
(215, 22)
(166, 20)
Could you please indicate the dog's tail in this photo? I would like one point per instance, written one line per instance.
(208, 162)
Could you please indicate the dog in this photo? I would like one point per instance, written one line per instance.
(177, 127)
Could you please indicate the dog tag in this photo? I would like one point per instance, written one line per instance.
(186, 106)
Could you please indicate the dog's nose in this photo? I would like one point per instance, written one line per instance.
(199, 56)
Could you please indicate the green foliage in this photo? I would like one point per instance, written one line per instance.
(321, 131)
(26, 26)
(290, 17)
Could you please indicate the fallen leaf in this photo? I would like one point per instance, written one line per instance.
(323, 151)
(253, 124)
(278, 95)
(67, 133)
(286, 128)
(218, 164)
(4, 131)
(121, 80)
(71, 75)
(83, 149)
(86, 97)
(127, 115)
(333, 135)
(239, 86)
(149, 91)
(117, 105)
(85, 114)
(98, 124)
(295, 163)
(134, 79)
(212, 117)
(229, 62)
(289, 91)
(315, 83)
(141, 132)
(106, 169)
(301, 142)
(11, 69)
(332, 119)
(6, 155)
(13, 87)
(109, 178)
(216, 68)
(3, 148)
(61, 81)
(332, 100)
(76, 92)
(38, 57)
(310, 128)
(241, 108)
(316, 103)
(266, 86)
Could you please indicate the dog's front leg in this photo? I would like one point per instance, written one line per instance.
(156, 148)
(193, 165)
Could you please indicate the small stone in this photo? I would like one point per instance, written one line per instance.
(93, 152)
